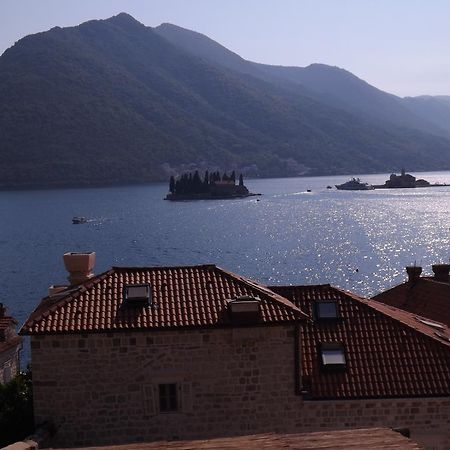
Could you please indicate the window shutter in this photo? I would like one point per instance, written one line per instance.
(186, 397)
(150, 399)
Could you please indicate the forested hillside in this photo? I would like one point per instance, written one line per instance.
(112, 101)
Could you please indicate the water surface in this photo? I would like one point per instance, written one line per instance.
(359, 240)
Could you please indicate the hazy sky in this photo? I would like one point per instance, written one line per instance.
(400, 46)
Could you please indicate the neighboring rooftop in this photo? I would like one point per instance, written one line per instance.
(370, 438)
(191, 296)
(6, 321)
(8, 335)
(424, 296)
(385, 352)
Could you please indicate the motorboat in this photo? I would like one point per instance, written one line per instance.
(354, 184)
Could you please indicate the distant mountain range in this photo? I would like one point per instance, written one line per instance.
(113, 101)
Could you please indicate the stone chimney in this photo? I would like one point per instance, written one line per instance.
(79, 266)
(413, 273)
(2, 310)
(441, 272)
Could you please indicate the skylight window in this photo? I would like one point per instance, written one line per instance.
(326, 310)
(332, 356)
(137, 293)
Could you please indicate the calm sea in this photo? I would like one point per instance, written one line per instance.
(360, 241)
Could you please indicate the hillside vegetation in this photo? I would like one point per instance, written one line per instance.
(113, 101)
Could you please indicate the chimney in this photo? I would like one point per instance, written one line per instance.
(441, 272)
(413, 273)
(79, 266)
(2, 310)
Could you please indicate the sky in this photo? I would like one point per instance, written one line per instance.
(399, 46)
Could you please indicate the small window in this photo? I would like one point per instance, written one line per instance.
(168, 400)
(326, 310)
(332, 356)
(137, 293)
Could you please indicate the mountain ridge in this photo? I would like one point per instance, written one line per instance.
(330, 84)
(111, 101)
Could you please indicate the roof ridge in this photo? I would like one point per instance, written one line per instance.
(188, 266)
(38, 312)
(285, 286)
(404, 283)
(383, 308)
(266, 291)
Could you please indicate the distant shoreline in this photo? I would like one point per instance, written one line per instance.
(68, 186)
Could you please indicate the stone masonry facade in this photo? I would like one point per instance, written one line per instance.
(9, 363)
(104, 388)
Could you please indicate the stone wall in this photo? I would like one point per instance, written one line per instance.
(104, 388)
(9, 363)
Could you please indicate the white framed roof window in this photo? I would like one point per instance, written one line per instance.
(332, 356)
(137, 293)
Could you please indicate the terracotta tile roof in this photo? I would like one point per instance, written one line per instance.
(426, 297)
(389, 352)
(194, 296)
(370, 438)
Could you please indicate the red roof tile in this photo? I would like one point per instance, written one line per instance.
(194, 296)
(389, 352)
(426, 297)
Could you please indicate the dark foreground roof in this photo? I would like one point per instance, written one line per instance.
(371, 438)
(194, 296)
(426, 297)
(389, 352)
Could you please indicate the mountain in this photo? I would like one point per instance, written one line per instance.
(112, 101)
(331, 85)
(431, 108)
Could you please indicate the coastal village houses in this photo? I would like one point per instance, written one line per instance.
(141, 354)
(10, 346)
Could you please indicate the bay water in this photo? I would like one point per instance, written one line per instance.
(358, 240)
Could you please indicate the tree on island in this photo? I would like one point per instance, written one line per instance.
(172, 184)
(191, 183)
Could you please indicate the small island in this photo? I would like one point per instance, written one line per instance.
(190, 186)
(405, 180)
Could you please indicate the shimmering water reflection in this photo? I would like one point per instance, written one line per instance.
(359, 241)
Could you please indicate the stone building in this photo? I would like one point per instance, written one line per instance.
(422, 295)
(10, 346)
(167, 353)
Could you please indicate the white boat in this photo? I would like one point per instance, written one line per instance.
(78, 219)
(355, 184)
